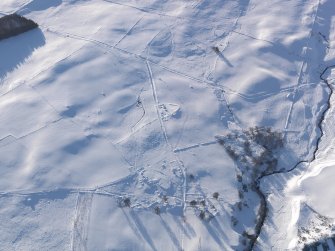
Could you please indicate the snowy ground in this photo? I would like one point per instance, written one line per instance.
(109, 113)
(303, 198)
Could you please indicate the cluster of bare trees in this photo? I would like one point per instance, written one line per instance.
(255, 152)
(254, 149)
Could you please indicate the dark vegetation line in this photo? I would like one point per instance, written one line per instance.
(14, 24)
(264, 206)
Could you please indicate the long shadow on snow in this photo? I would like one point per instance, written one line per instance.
(142, 229)
(39, 5)
(16, 50)
(171, 234)
(187, 229)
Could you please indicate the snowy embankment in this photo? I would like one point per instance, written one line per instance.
(304, 196)
(302, 208)
(109, 114)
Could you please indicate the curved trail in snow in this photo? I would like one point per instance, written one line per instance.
(264, 206)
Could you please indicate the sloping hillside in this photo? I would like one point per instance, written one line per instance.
(166, 125)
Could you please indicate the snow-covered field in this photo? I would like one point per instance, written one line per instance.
(110, 112)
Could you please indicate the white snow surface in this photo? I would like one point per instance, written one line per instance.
(122, 99)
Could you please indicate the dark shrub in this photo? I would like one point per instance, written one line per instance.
(157, 210)
(193, 203)
(216, 195)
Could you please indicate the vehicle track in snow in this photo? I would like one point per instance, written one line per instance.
(81, 221)
(180, 164)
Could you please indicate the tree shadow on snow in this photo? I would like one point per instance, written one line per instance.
(16, 50)
(171, 234)
(224, 59)
(39, 5)
(142, 229)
